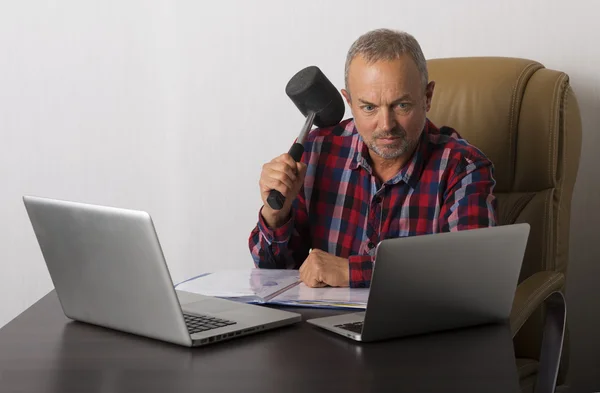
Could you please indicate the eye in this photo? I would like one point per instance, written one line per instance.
(368, 108)
(403, 105)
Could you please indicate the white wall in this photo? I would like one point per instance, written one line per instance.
(173, 106)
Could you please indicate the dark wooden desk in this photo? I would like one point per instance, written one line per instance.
(42, 351)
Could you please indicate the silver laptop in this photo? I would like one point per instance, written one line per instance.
(430, 283)
(108, 269)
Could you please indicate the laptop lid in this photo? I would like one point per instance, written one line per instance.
(443, 281)
(108, 268)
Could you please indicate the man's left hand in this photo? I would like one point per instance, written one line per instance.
(321, 269)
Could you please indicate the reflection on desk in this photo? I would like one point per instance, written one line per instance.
(42, 351)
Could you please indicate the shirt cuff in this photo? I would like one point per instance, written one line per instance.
(279, 235)
(361, 269)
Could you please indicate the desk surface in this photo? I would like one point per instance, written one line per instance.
(43, 351)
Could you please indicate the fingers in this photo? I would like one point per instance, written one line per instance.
(284, 163)
(311, 280)
(266, 184)
(301, 170)
(315, 284)
(310, 271)
(275, 179)
(287, 160)
(281, 172)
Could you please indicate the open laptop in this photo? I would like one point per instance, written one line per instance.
(108, 269)
(443, 281)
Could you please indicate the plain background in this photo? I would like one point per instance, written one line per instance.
(173, 106)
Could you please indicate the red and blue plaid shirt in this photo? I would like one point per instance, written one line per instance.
(345, 210)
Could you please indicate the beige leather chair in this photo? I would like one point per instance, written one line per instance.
(526, 119)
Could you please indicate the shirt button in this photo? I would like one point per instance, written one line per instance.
(378, 199)
(371, 245)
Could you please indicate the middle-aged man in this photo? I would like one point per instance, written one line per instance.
(387, 172)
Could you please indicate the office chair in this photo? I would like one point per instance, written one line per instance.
(526, 119)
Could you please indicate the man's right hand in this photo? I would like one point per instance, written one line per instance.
(286, 176)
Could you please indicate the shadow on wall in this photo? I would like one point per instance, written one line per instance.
(583, 302)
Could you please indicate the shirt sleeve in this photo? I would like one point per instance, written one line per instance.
(469, 202)
(361, 269)
(285, 247)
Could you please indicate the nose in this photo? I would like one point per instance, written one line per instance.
(387, 121)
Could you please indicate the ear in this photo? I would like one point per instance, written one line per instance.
(429, 95)
(346, 95)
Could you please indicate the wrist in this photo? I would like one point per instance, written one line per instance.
(346, 272)
(343, 271)
(274, 218)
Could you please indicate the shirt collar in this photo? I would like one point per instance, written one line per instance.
(409, 173)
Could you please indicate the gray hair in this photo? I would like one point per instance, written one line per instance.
(386, 44)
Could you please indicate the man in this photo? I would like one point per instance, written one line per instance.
(387, 172)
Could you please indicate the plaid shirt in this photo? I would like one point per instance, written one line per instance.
(345, 210)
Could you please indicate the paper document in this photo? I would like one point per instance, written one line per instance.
(242, 284)
(276, 286)
(329, 296)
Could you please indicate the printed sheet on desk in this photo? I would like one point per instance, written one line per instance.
(274, 286)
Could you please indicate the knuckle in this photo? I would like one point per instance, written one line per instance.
(283, 187)
(281, 182)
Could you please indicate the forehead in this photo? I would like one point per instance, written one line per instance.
(399, 75)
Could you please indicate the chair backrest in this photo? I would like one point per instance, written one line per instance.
(526, 119)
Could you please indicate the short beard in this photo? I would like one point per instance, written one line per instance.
(401, 146)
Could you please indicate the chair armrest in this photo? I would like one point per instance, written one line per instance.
(530, 294)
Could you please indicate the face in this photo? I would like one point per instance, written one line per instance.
(389, 104)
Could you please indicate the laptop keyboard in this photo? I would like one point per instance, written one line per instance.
(202, 323)
(355, 327)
